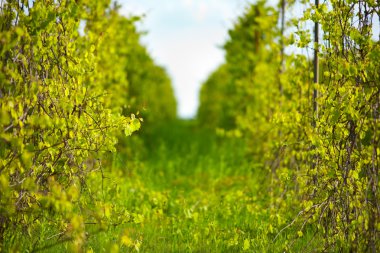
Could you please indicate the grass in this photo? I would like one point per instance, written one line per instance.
(197, 193)
(189, 191)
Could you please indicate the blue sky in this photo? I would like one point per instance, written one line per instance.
(185, 37)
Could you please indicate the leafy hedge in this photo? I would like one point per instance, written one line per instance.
(318, 141)
(65, 96)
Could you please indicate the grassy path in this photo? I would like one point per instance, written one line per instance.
(191, 191)
(188, 190)
(179, 188)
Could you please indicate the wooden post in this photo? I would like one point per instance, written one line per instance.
(316, 68)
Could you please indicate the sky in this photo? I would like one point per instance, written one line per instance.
(185, 37)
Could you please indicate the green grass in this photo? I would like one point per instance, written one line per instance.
(197, 192)
(190, 191)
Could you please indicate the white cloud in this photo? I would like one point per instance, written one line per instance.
(202, 11)
(188, 3)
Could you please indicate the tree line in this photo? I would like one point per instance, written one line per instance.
(311, 116)
(74, 80)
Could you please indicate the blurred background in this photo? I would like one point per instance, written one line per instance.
(186, 37)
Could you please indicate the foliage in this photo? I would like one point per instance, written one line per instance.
(214, 111)
(150, 87)
(343, 196)
(64, 99)
(323, 160)
(302, 174)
